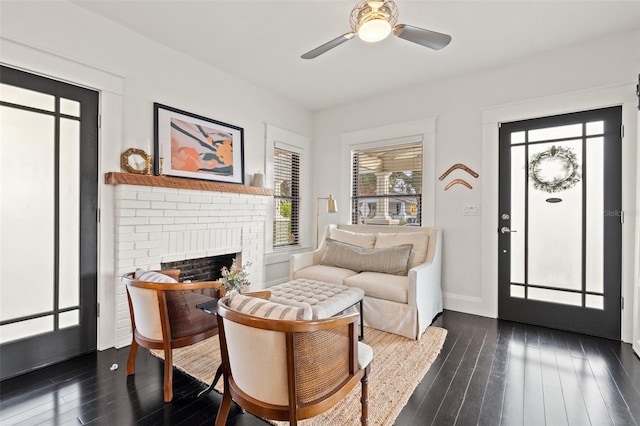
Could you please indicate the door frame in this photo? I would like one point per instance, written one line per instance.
(486, 304)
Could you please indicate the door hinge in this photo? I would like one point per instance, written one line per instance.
(98, 309)
(622, 131)
(98, 215)
(622, 303)
(621, 216)
(99, 121)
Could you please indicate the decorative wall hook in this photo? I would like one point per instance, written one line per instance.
(459, 166)
(458, 181)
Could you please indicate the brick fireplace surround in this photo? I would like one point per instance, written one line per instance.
(160, 219)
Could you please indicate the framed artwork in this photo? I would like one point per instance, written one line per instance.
(197, 147)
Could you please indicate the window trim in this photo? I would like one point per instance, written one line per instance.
(284, 139)
(394, 134)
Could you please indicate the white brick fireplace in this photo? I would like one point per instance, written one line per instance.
(158, 224)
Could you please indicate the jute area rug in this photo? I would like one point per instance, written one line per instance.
(399, 364)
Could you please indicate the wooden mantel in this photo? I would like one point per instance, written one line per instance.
(118, 178)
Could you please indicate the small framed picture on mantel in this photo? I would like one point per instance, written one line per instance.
(197, 147)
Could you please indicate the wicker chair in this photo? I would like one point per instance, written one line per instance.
(290, 370)
(164, 316)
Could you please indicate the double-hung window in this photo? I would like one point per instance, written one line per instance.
(286, 185)
(387, 185)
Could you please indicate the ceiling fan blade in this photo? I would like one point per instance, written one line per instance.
(328, 46)
(421, 36)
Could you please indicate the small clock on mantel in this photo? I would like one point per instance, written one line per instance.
(135, 160)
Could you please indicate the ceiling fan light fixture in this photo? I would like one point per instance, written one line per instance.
(373, 20)
(374, 30)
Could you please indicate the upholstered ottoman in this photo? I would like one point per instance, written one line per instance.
(326, 299)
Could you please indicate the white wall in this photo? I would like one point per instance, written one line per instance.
(458, 104)
(38, 35)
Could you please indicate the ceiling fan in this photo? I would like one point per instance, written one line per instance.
(373, 20)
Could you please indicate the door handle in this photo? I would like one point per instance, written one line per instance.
(506, 230)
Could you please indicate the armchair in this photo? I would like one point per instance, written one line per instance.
(164, 316)
(310, 366)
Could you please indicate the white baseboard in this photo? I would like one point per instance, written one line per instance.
(466, 304)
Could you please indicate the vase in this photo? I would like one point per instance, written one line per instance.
(231, 292)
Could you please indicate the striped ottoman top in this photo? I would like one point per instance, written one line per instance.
(326, 299)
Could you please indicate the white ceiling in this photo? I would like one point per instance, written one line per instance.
(261, 41)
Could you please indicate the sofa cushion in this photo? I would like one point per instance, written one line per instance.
(266, 309)
(329, 274)
(355, 238)
(420, 241)
(381, 286)
(390, 260)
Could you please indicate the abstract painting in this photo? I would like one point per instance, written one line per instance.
(197, 147)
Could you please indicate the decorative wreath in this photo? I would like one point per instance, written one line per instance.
(554, 170)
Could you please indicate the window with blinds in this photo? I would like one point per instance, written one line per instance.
(387, 185)
(286, 184)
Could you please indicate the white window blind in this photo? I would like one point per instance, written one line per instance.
(387, 185)
(286, 184)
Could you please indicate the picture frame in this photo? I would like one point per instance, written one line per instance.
(197, 147)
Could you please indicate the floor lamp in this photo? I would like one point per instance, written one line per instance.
(332, 207)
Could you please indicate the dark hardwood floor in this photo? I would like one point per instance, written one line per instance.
(490, 372)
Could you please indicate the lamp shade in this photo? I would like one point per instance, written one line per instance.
(332, 205)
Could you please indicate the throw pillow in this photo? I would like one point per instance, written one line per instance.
(266, 309)
(391, 260)
(355, 238)
(152, 276)
(420, 241)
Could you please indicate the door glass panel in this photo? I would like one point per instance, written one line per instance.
(518, 185)
(594, 178)
(517, 291)
(595, 302)
(69, 200)
(517, 137)
(69, 107)
(555, 230)
(558, 132)
(19, 96)
(555, 296)
(26, 212)
(595, 128)
(27, 328)
(69, 319)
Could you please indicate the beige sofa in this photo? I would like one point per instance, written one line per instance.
(363, 255)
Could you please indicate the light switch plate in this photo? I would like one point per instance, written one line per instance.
(471, 210)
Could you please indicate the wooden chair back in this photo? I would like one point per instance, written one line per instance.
(287, 370)
(164, 316)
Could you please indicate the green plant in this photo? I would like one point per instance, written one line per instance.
(285, 209)
(235, 277)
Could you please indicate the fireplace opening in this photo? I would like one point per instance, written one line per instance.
(201, 269)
